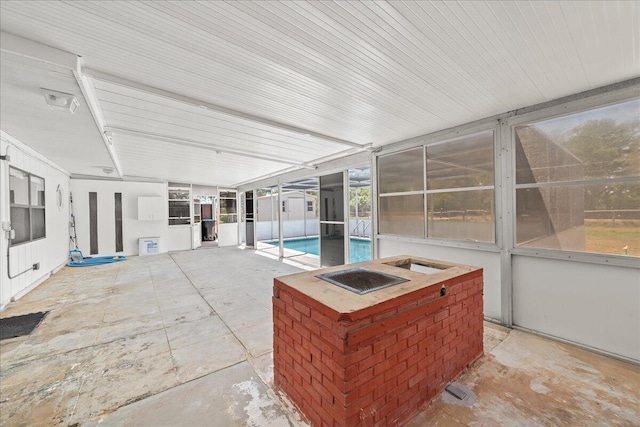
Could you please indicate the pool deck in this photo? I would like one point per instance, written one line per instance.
(305, 260)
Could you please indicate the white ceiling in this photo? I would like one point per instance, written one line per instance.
(71, 140)
(345, 73)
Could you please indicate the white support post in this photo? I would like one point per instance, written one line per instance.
(347, 234)
(280, 230)
(374, 206)
(505, 205)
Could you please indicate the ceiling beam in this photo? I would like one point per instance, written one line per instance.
(40, 52)
(91, 98)
(319, 162)
(202, 145)
(99, 75)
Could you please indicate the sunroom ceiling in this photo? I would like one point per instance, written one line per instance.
(345, 73)
(143, 126)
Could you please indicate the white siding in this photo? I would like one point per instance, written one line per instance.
(52, 251)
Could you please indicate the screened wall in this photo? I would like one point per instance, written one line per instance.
(546, 200)
(458, 200)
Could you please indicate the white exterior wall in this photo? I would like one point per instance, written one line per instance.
(594, 305)
(291, 229)
(179, 238)
(228, 234)
(296, 206)
(51, 252)
(132, 228)
(266, 230)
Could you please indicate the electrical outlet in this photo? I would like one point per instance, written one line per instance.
(6, 226)
(36, 266)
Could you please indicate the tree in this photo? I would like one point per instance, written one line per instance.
(364, 201)
(606, 148)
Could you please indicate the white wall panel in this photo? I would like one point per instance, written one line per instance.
(179, 238)
(594, 305)
(266, 230)
(228, 234)
(52, 251)
(489, 261)
(132, 227)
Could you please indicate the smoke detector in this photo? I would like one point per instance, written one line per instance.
(60, 100)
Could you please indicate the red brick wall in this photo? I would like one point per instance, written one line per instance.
(380, 365)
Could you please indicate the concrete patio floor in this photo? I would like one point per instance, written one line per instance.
(185, 339)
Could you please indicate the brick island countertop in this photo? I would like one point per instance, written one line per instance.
(342, 304)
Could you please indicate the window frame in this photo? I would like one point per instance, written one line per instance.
(491, 187)
(29, 206)
(235, 216)
(437, 138)
(559, 110)
(381, 195)
(175, 203)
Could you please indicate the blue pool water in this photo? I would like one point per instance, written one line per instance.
(360, 248)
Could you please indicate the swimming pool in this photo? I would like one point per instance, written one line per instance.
(360, 249)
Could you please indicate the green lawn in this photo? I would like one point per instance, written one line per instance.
(612, 240)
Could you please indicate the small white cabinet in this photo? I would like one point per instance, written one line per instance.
(151, 208)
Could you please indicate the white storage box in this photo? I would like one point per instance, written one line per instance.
(148, 245)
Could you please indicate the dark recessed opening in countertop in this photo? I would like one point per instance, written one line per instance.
(361, 280)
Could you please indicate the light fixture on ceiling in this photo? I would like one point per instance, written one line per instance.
(60, 100)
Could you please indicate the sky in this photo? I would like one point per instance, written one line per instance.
(560, 126)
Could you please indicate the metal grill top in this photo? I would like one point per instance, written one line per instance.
(361, 280)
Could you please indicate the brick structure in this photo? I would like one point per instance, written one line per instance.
(376, 359)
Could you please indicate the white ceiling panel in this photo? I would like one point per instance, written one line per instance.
(131, 109)
(175, 162)
(360, 72)
(70, 140)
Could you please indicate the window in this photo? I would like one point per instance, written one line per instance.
(401, 186)
(460, 189)
(27, 206)
(578, 181)
(309, 206)
(179, 196)
(228, 209)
